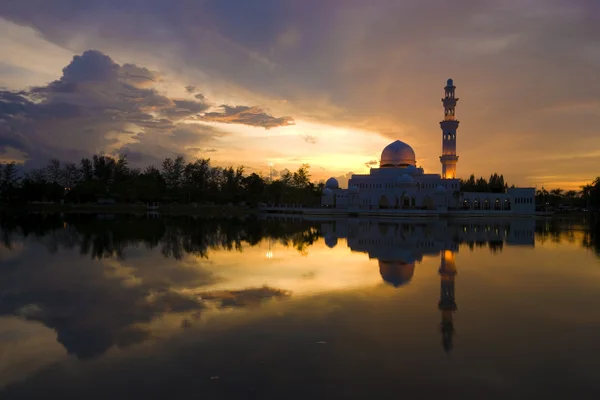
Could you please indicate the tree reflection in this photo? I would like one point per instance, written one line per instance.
(585, 232)
(107, 237)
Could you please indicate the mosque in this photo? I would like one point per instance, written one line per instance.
(399, 184)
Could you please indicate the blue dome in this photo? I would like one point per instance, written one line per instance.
(450, 82)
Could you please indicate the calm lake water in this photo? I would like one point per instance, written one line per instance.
(103, 307)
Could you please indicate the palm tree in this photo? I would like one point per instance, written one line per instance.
(555, 196)
(571, 194)
(586, 193)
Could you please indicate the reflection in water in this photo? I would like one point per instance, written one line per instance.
(398, 246)
(103, 283)
(447, 303)
(95, 304)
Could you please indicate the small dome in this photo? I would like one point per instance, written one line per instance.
(449, 82)
(440, 189)
(412, 170)
(332, 183)
(331, 241)
(405, 179)
(353, 190)
(397, 154)
(327, 192)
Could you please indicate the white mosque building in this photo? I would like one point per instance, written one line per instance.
(399, 186)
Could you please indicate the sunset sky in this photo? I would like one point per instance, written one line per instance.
(326, 82)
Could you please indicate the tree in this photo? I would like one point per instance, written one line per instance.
(104, 168)
(53, 172)
(149, 185)
(571, 195)
(496, 183)
(172, 172)
(232, 181)
(468, 185)
(286, 177)
(8, 180)
(86, 169)
(301, 178)
(121, 170)
(482, 185)
(70, 175)
(254, 186)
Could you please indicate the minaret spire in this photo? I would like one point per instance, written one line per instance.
(449, 126)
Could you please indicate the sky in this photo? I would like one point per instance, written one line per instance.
(329, 83)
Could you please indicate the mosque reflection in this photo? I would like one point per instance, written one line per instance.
(399, 246)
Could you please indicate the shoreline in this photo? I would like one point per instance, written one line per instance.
(240, 211)
(210, 211)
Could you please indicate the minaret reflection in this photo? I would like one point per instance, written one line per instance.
(447, 303)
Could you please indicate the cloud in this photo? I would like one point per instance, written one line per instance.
(251, 297)
(371, 163)
(194, 90)
(99, 105)
(202, 150)
(310, 139)
(253, 116)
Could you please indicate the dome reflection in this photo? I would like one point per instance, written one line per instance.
(396, 273)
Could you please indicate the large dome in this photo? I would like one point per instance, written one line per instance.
(397, 154)
(396, 273)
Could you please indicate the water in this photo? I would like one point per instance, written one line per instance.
(103, 307)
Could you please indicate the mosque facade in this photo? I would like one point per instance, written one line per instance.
(399, 184)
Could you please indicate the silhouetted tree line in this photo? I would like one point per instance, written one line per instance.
(102, 237)
(176, 181)
(587, 197)
(495, 184)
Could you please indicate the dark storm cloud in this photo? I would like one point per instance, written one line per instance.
(97, 103)
(253, 116)
(94, 97)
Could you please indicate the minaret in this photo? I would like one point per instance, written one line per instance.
(447, 305)
(449, 126)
